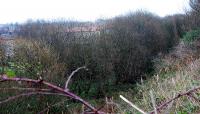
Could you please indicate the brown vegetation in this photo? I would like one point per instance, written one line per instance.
(117, 52)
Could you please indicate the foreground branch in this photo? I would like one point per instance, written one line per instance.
(29, 94)
(131, 104)
(70, 76)
(25, 89)
(57, 89)
(165, 104)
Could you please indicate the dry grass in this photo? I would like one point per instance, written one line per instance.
(1, 49)
(33, 60)
(40, 56)
(1, 52)
(176, 72)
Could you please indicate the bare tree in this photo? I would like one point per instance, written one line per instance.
(195, 5)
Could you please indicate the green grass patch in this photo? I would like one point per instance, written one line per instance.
(191, 36)
(10, 73)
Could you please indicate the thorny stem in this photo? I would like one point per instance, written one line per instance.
(159, 108)
(26, 89)
(29, 94)
(54, 87)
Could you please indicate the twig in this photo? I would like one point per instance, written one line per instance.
(130, 103)
(175, 98)
(193, 97)
(70, 76)
(171, 104)
(26, 89)
(29, 94)
(153, 101)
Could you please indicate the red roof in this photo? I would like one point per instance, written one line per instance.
(84, 29)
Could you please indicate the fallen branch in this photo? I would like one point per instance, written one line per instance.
(131, 104)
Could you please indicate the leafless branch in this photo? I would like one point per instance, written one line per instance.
(57, 89)
(165, 104)
(194, 98)
(131, 104)
(153, 101)
(70, 76)
(28, 94)
(26, 89)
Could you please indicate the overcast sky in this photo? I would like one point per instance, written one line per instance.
(84, 10)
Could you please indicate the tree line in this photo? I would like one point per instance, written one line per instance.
(119, 52)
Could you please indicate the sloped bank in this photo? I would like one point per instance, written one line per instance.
(176, 72)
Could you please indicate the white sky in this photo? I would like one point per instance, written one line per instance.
(84, 10)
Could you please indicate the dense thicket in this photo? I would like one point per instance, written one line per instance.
(192, 17)
(119, 52)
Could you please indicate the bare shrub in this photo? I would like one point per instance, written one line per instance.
(34, 57)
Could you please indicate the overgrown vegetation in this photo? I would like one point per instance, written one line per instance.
(192, 36)
(117, 53)
(176, 72)
(120, 54)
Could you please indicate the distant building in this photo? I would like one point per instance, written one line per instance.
(88, 30)
(7, 31)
